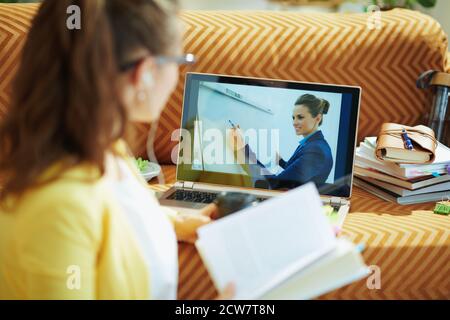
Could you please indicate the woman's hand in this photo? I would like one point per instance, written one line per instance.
(277, 158)
(236, 139)
(186, 224)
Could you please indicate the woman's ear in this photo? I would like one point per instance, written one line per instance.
(142, 76)
(319, 119)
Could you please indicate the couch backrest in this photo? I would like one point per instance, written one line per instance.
(329, 48)
(14, 24)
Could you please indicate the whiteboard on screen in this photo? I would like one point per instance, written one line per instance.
(265, 110)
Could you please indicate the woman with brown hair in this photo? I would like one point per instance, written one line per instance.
(75, 220)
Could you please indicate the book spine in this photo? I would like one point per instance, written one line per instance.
(375, 191)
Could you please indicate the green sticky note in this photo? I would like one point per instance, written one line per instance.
(332, 214)
(442, 208)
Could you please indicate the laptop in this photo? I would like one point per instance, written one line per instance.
(264, 114)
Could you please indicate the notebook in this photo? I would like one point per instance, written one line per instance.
(392, 197)
(406, 193)
(394, 139)
(365, 157)
(411, 184)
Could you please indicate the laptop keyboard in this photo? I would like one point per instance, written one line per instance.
(197, 196)
(193, 196)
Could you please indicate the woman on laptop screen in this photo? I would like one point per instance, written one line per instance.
(312, 161)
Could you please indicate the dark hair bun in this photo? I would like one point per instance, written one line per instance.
(326, 106)
(315, 105)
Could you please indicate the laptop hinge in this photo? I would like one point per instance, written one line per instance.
(337, 201)
(185, 185)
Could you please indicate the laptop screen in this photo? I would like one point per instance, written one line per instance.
(268, 134)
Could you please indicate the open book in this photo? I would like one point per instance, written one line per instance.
(261, 249)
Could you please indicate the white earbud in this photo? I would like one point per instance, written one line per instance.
(148, 79)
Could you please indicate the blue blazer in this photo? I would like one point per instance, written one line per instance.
(311, 162)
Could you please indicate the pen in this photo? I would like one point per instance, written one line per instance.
(407, 140)
(232, 124)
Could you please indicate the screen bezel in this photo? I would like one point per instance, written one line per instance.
(184, 170)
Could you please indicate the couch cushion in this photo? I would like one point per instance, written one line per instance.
(410, 245)
(330, 48)
(14, 23)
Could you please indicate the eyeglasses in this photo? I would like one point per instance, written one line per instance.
(186, 59)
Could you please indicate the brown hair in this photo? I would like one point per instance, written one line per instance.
(66, 102)
(315, 105)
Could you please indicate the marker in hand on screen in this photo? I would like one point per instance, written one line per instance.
(237, 135)
(232, 124)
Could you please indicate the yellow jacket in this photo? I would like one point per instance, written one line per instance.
(68, 240)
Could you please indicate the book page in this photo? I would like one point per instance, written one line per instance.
(259, 247)
(340, 267)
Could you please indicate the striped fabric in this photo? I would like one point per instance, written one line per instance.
(410, 245)
(14, 24)
(330, 48)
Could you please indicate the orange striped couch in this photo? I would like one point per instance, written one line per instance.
(410, 245)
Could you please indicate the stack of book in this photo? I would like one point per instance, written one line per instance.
(403, 183)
